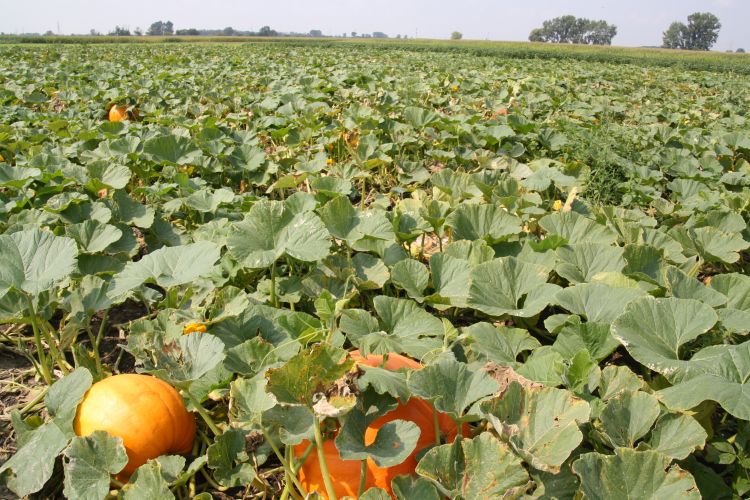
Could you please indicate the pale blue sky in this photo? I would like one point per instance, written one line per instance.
(640, 22)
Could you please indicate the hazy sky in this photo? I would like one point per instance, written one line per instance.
(640, 22)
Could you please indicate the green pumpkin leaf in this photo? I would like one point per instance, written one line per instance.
(229, 460)
(677, 436)
(576, 228)
(147, 482)
(596, 302)
(46, 260)
(394, 441)
(167, 267)
(482, 467)
(510, 286)
(12, 273)
(32, 465)
(270, 230)
(93, 236)
(616, 380)
(633, 474)
(307, 374)
(250, 399)
(90, 462)
(171, 149)
(540, 424)
(411, 276)
(491, 223)
(500, 345)
(717, 373)
(188, 359)
(653, 330)
(451, 386)
(580, 262)
(628, 417)
(408, 487)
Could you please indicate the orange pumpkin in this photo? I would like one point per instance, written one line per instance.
(118, 113)
(146, 412)
(345, 473)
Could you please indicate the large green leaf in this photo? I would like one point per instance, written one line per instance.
(482, 467)
(93, 236)
(416, 329)
(633, 474)
(677, 436)
(29, 469)
(451, 386)
(579, 263)
(540, 424)
(411, 276)
(12, 274)
(148, 482)
(250, 399)
(510, 286)
(307, 374)
(188, 359)
(490, 222)
(353, 225)
(735, 316)
(628, 417)
(500, 345)
(576, 228)
(394, 441)
(597, 302)
(90, 462)
(46, 260)
(271, 230)
(229, 460)
(653, 330)
(717, 373)
(167, 267)
(171, 149)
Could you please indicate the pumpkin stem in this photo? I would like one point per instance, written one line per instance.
(274, 303)
(43, 368)
(322, 461)
(436, 423)
(204, 414)
(362, 478)
(290, 474)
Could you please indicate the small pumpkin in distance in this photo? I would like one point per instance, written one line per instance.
(118, 113)
(345, 474)
(146, 412)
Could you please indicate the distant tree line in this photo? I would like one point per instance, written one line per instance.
(166, 28)
(571, 29)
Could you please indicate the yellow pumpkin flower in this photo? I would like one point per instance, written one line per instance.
(329, 161)
(557, 205)
(454, 88)
(194, 327)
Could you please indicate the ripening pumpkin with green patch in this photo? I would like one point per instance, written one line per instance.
(345, 474)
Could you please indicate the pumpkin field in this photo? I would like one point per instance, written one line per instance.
(298, 270)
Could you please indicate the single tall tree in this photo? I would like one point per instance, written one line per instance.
(156, 29)
(700, 33)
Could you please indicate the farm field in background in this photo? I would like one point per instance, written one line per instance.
(544, 247)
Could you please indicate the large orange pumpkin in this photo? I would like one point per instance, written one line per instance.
(146, 412)
(345, 474)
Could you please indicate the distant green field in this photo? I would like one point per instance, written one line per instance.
(694, 60)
